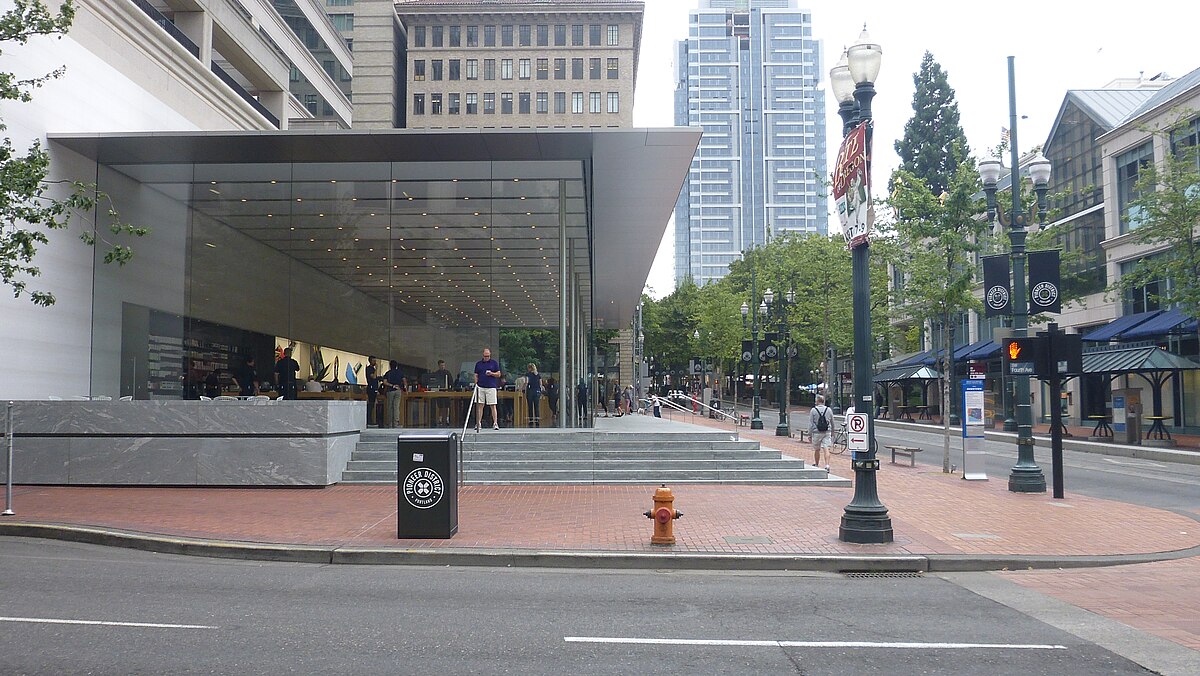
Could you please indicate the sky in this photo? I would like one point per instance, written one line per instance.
(1057, 45)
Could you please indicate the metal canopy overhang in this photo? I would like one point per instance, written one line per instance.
(904, 373)
(631, 177)
(1147, 359)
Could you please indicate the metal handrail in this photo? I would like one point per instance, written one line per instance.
(10, 432)
(463, 435)
(704, 405)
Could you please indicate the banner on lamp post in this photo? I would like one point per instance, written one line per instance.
(1044, 282)
(997, 292)
(852, 188)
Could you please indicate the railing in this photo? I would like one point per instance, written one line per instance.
(241, 91)
(9, 432)
(680, 395)
(463, 434)
(168, 26)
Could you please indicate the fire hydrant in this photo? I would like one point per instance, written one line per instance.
(664, 516)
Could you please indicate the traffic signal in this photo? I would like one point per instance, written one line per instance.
(1025, 356)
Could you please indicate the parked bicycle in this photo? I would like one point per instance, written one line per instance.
(839, 440)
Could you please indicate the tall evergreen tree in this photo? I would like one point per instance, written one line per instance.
(934, 143)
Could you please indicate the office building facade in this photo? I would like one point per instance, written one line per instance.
(750, 75)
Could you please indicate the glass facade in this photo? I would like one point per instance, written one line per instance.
(1077, 181)
(751, 77)
(1129, 166)
(408, 261)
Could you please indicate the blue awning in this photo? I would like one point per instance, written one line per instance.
(983, 349)
(1121, 324)
(1171, 321)
(925, 357)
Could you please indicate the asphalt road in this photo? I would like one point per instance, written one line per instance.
(244, 617)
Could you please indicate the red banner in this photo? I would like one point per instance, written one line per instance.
(852, 188)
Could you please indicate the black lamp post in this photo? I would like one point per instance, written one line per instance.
(780, 307)
(756, 422)
(1026, 476)
(865, 519)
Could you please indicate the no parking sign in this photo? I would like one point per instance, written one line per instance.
(856, 432)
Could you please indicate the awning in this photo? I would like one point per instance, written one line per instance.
(981, 349)
(1146, 359)
(1120, 325)
(901, 373)
(1171, 321)
(897, 360)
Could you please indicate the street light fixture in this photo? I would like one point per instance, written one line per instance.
(1025, 476)
(780, 307)
(865, 519)
(756, 422)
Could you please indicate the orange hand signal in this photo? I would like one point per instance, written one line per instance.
(1014, 350)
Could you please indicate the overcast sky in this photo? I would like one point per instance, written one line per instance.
(1057, 45)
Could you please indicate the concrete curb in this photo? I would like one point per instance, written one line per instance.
(519, 558)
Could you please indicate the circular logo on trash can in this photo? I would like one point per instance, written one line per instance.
(423, 488)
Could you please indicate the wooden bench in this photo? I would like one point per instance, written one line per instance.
(909, 451)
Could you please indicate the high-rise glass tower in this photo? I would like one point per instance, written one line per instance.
(750, 74)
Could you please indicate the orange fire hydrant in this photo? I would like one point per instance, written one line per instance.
(664, 516)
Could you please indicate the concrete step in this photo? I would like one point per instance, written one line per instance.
(605, 456)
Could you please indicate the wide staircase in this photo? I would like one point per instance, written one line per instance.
(589, 456)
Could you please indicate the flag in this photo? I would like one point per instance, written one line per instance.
(852, 187)
(997, 292)
(1044, 282)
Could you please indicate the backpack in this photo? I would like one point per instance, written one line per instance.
(822, 421)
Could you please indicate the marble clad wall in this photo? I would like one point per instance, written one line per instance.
(193, 443)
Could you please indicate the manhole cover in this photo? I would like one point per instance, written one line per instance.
(748, 540)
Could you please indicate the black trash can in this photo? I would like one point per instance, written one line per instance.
(715, 404)
(427, 485)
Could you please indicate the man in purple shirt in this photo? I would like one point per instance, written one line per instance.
(487, 377)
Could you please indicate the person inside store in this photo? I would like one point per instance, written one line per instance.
(440, 381)
(212, 384)
(247, 378)
(372, 392)
(487, 379)
(285, 375)
(533, 394)
(552, 399)
(393, 383)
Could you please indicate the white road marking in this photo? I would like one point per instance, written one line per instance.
(149, 625)
(814, 644)
(1135, 463)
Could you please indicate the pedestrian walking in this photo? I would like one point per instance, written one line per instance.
(819, 425)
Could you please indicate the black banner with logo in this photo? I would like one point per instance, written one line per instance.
(1044, 282)
(997, 292)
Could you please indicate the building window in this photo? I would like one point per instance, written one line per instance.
(342, 22)
(594, 102)
(506, 35)
(1187, 140)
(489, 69)
(435, 104)
(614, 69)
(418, 36)
(594, 35)
(472, 36)
(456, 36)
(576, 69)
(560, 69)
(543, 35)
(1129, 164)
(453, 107)
(436, 66)
(489, 36)
(435, 36)
(594, 69)
(472, 104)
(525, 66)
(576, 102)
(294, 75)
(543, 69)
(614, 103)
(560, 35)
(419, 70)
(525, 35)
(455, 69)
(506, 69)
(310, 103)
(560, 102)
(328, 65)
(418, 103)
(489, 104)
(339, 3)
(614, 35)
(577, 35)
(472, 69)
(506, 103)
(542, 103)
(523, 103)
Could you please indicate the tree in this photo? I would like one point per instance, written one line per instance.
(933, 130)
(1166, 215)
(940, 234)
(28, 208)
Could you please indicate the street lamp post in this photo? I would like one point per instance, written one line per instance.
(756, 422)
(1026, 476)
(780, 307)
(865, 519)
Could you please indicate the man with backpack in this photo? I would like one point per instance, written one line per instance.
(819, 426)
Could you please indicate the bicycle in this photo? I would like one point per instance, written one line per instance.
(839, 440)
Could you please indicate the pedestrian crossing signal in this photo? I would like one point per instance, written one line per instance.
(1014, 350)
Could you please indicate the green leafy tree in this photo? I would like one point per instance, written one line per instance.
(1166, 215)
(29, 209)
(940, 235)
(933, 130)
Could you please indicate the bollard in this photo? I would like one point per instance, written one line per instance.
(664, 516)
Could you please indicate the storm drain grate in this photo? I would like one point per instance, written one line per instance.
(748, 540)
(882, 574)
